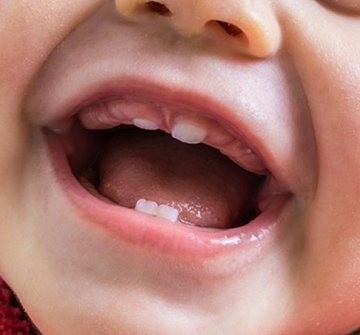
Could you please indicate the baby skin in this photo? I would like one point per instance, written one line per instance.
(181, 167)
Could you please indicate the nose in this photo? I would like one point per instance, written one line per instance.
(248, 26)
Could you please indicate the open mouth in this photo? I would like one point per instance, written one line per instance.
(165, 171)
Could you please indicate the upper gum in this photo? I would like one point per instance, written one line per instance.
(109, 114)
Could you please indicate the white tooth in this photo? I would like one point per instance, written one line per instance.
(189, 133)
(168, 213)
(147, 207)
(145, 124)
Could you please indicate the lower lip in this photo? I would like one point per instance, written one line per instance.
(161, 236)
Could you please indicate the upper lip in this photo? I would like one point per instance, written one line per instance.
(70, 105)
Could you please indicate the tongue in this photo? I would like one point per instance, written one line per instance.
(207, 188)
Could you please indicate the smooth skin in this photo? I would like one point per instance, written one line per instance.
(75, 279)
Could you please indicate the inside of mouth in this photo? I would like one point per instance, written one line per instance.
(126, 166)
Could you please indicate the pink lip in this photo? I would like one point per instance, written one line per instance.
(159, 235)
(146, 89)
(149, 232)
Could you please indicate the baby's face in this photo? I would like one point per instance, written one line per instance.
(261, 236)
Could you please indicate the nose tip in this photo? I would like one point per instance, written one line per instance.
(249, 27)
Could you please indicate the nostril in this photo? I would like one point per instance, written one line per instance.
(158, 8)
(229, 28)
(236, 35)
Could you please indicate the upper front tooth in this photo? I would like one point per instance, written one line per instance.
(145, 124)
(189, 133)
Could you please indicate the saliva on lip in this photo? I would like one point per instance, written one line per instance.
(171, 214)
(239, 238)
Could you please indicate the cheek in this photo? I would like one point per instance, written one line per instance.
(328, 66)
(29, 31)
(326, 54)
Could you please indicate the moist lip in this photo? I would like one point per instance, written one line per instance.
(143, 89)
(157, 233)
(61, 113)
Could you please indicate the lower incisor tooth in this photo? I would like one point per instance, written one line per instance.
(189, 133)
(147, 207)
(168, 213)
(161, 211)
